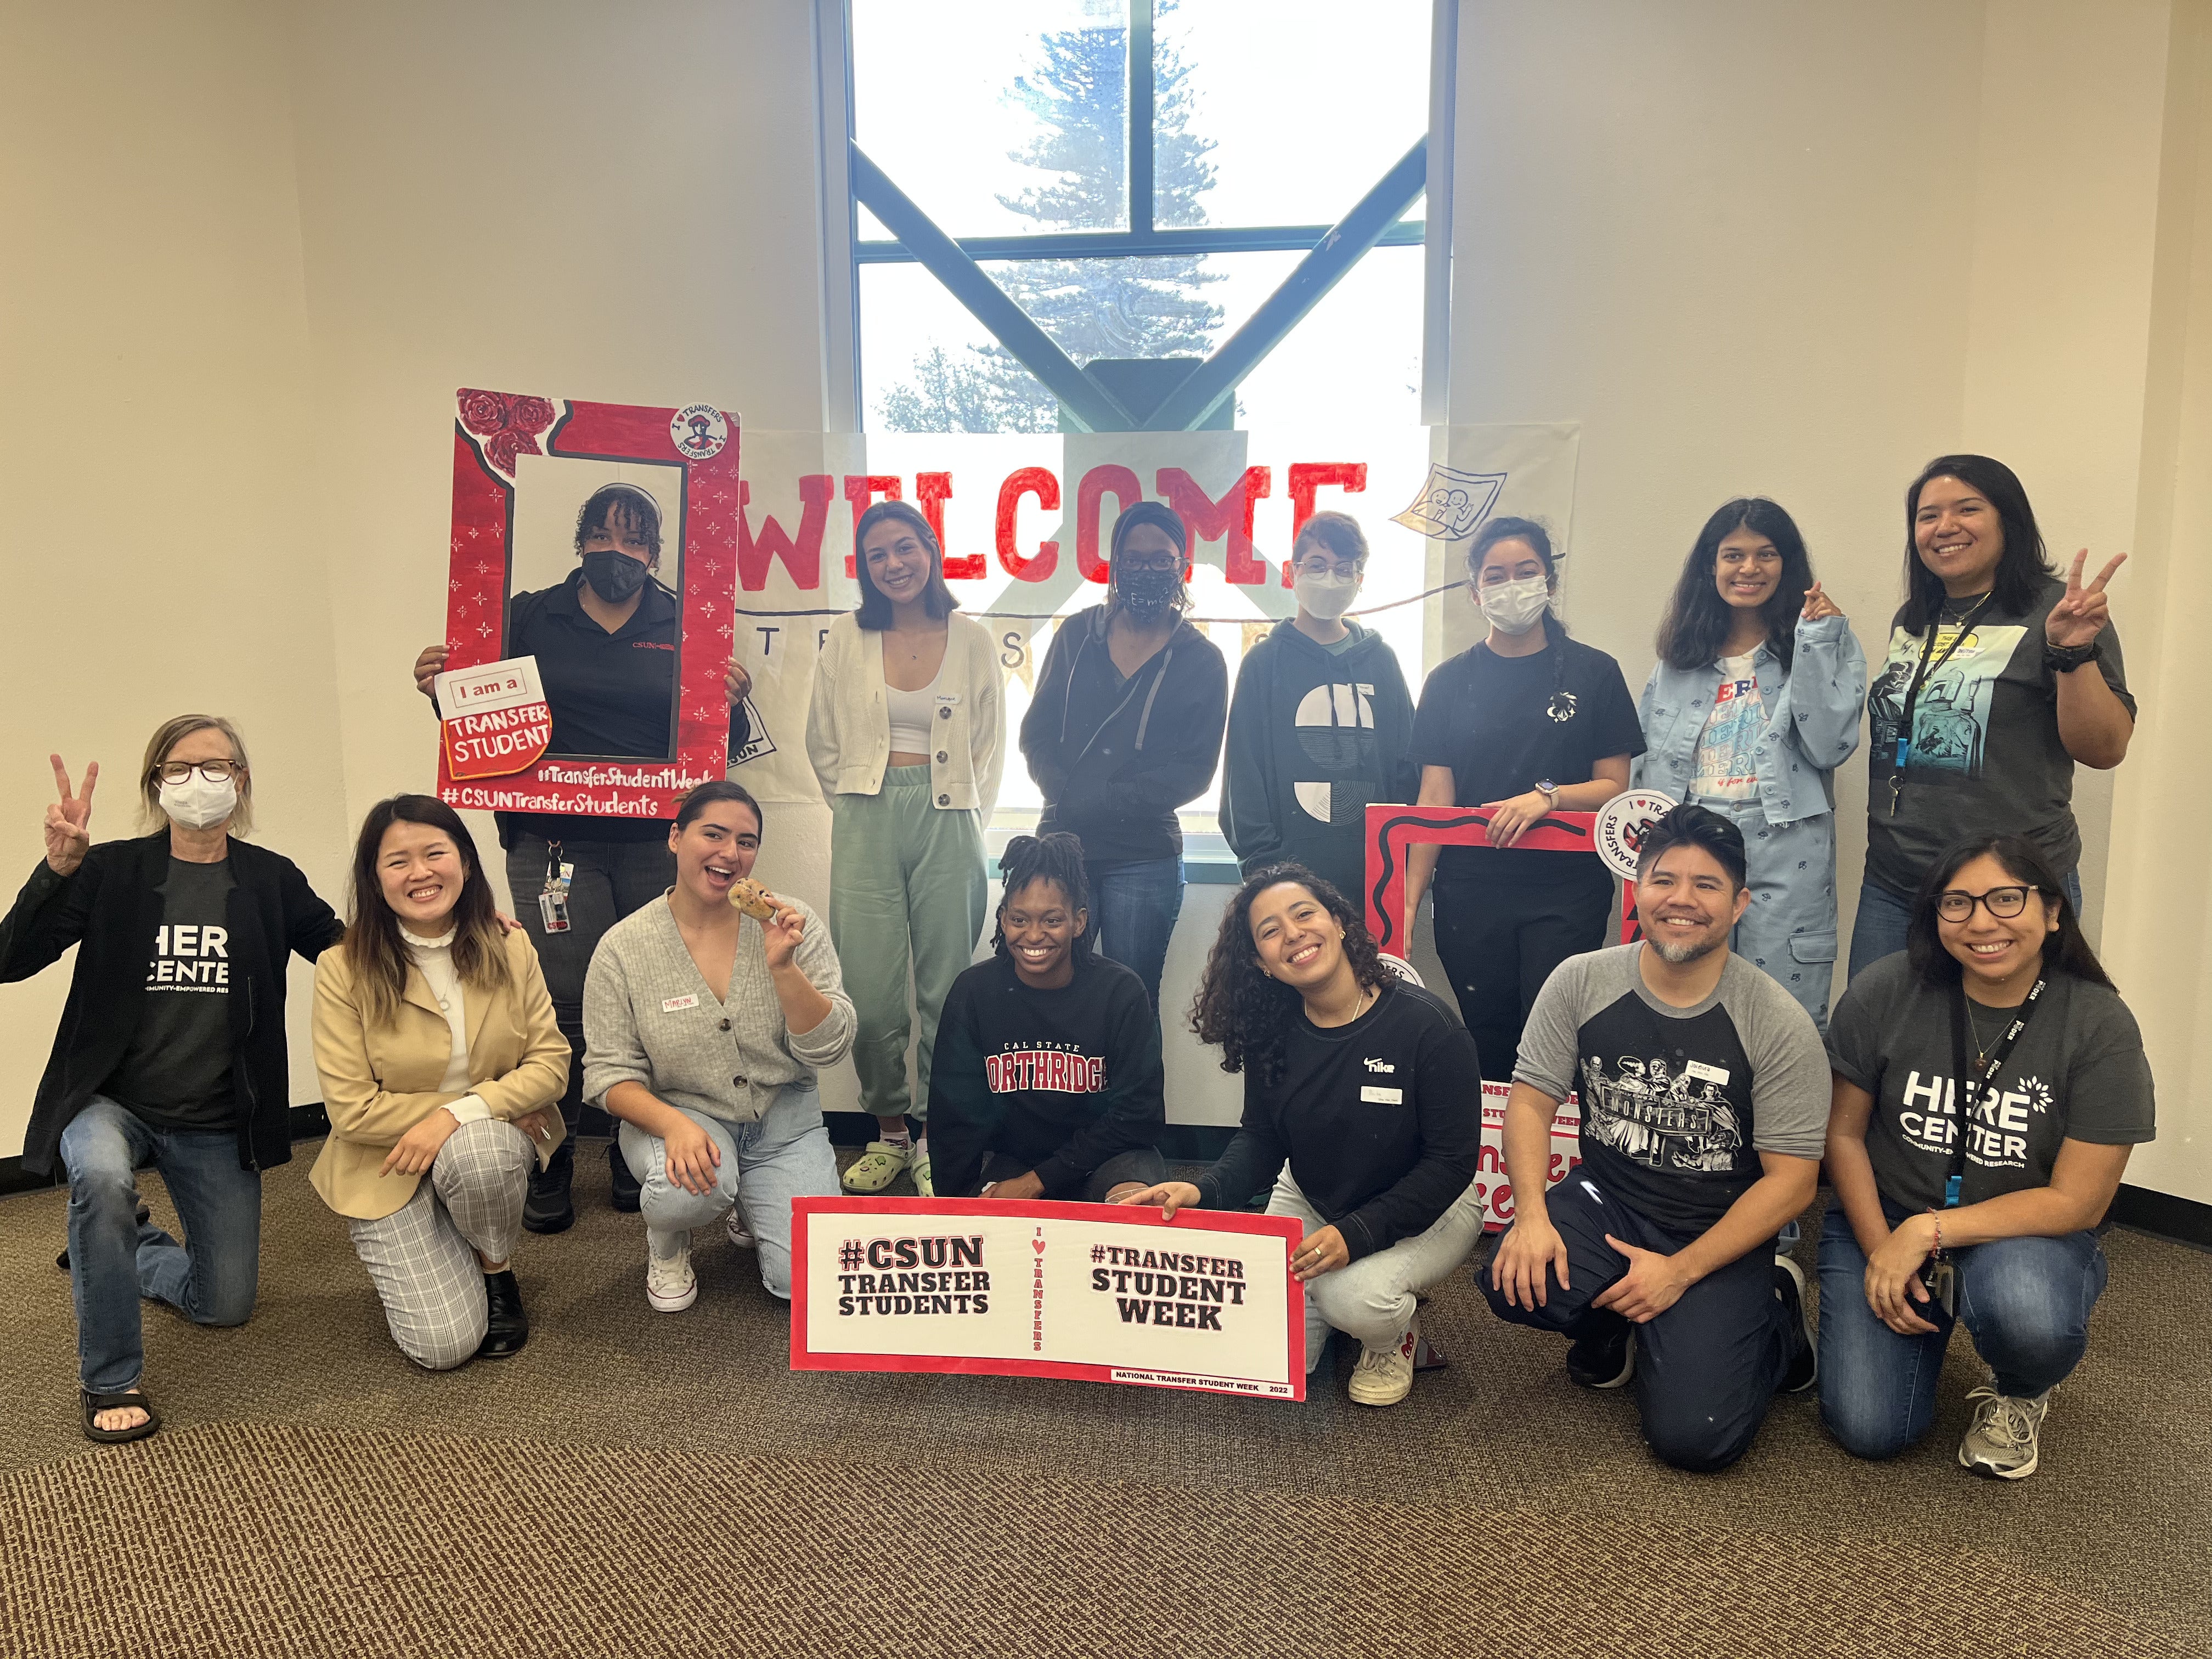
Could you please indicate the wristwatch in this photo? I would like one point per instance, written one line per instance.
(1550, 791)
(2064, 658)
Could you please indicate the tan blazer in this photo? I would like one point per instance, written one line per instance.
(380, 1082)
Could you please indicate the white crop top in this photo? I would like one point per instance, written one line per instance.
(910, 713)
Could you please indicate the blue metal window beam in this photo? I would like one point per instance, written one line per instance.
(1124, 244)
(938, 253)
(1140, 149)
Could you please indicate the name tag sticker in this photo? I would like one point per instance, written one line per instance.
(1378, 1096)
(675, 1003)
(1704, 1074)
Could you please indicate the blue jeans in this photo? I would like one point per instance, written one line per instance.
(2024, 1302)
(1880, 929)
(1133, 909)
(211, 1279)
(781, 1155)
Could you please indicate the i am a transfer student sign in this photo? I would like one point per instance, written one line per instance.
(1094, 1291)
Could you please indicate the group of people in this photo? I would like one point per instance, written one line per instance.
(648, 979)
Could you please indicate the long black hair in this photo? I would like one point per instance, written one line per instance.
(875, 610)
(1057, 857)
(1494, 531)
(1698, 620)
(1249, 1014)
(372, 947)
(2025, 565)
(2066, 951)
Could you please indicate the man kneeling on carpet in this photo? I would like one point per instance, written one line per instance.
(1046, 1079)
(704, 1024)
(1704, 1102)
(440, 1058)
(1371, 1092)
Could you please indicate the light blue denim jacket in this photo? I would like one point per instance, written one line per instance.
(1812, 727)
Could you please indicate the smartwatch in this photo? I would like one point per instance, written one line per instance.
(1550, 791)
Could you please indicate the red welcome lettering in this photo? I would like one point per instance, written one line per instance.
(1306, 477)
(861, 489)
(933, 491)
(1205, 520)
(1115, 481)
(1036, 481)
(802, 558)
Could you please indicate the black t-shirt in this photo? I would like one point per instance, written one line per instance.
(1503, 723)
(176, 1072)
(2077, 1073)
(1381, 1121)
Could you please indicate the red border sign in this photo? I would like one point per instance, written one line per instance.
(1391, 829)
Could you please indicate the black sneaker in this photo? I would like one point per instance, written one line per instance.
(1804, 1358)
(1605, 1360)
(549, 1208)
(622, 1186)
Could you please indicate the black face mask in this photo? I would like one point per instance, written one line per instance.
(1148, 593)
(614, 575)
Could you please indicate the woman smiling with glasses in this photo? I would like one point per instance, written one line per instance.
(1989, 1084)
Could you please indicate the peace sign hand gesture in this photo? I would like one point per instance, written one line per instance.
(2077, 619)
(68, 821)
(1818, 605)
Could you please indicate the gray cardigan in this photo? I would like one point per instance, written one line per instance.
(649, 1018)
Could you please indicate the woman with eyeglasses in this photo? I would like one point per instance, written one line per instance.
(1989, 1084)
(1124, 730)
(1319, 725)
(1525, 722)
(605, 641)
(905, 731)
(171, 1049)
(2001, 679)
(1753, 703)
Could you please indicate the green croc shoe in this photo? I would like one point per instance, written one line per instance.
(877, 1168)
(923, 1186)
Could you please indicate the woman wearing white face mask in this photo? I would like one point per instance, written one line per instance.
(1320, 724)
(171, 1049)
(1527, 722)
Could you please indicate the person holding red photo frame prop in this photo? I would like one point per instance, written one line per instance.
(645, 700)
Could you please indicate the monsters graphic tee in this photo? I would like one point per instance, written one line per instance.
(1726, 765)
(176, 1075)
(1986, 753)
(1678, 1103)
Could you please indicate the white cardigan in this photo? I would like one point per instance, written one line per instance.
(848, 730)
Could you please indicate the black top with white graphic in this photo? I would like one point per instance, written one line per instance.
(176, 1072)
(1986, 754)
(1381, 1121)
(1678, 1103)
(1502, 724)
(2077, 1073)
(1058, 1080)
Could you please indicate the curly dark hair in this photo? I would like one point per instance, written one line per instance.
(1249, 1014)
(1057, 857)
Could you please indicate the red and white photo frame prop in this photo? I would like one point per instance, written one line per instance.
(699, 444)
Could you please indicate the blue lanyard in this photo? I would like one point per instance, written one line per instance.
(1931, 660)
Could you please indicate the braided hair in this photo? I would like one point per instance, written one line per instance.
(1057, 857)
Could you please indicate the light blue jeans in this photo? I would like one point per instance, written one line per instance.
(1789, 929)
(1884, 917)
(782, 1155)
(114, 1260)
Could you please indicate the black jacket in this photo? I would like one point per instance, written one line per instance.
(111, 908)
(1314, 737)
(1115, 758)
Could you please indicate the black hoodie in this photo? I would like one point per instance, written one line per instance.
(1116, 757)
(1314, 736)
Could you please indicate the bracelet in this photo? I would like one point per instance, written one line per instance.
(1936, 1216)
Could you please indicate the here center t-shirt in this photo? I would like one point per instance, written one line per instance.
(176, 1074)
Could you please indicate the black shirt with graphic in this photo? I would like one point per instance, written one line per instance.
(1502, 724)
(1986, 755)
(176, 1074)
(2077, 1073)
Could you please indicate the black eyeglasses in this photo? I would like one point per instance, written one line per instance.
(214, 771)
(2003, 903)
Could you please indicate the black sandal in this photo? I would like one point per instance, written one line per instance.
(96, 1403)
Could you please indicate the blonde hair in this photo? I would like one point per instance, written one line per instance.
(166, 736)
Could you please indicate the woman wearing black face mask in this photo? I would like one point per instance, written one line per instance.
(605, 644)
(1126, 727)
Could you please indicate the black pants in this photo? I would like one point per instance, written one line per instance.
(1706, 1369)
(1498, 941)
(1139, 1163)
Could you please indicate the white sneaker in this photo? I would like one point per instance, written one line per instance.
(733, 1225)
(1383, 1376)
(2001, 1439)
(670, 1284)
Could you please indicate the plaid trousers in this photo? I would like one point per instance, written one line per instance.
(422, 1257)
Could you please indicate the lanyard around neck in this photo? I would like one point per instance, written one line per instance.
(1974, 1086)
(1931, 660)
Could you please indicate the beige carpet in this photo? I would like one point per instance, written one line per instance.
(647, 1484)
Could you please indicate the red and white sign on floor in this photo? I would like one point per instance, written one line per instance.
(1491, 1184)
(1093, 1291)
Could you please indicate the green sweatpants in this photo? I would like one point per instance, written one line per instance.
(907, 895)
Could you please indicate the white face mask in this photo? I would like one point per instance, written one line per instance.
(196, 804)
(1515, 607)
(1325, 595)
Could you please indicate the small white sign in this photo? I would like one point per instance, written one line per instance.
(698, 431)
(507, 684)
(1376, 1095)
(674, 1005)
(1619, 828)
(1698, 1069)
(1452, 503)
